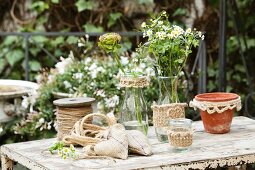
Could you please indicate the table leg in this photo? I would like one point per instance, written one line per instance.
(7, 164)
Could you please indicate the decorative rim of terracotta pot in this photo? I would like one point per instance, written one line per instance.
(216, 96)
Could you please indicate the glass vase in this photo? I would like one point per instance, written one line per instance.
(168, 90)
(168, 106)
(134, 109)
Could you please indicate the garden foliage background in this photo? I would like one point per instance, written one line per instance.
(104, 16)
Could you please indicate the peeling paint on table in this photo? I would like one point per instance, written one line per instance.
(208, 151)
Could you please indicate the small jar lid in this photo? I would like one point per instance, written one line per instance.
(74, 102)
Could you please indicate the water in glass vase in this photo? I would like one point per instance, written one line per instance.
(135, 125)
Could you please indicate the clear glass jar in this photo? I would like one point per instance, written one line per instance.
(134, 110)
(180, 134)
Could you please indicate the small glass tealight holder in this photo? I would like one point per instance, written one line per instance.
(180, 134)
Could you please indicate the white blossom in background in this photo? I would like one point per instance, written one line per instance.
(92, 67)
(124, 60)
(50, 78)
(25, 102)
(100, 93)
(112, 102)
(87, 60)
(94, 70)
(40, 123)
(202, 37)
(80, 44)
(67, 84)
(92, 85)
(49, 125)
(78, 76)
(188, 31)
(87, 37)
(38, 78)
(62, 65)
(29, 100)
(143, 25)
(150, 72)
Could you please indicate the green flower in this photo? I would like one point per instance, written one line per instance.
(109, 42)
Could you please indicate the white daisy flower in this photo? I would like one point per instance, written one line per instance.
(143, 25)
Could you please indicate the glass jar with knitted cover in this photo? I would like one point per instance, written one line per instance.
(180, 134)
(168, 106)
(134, 108)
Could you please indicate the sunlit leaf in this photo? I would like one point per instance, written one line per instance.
(14, 56)
(83, 5)
(92, 28)
(113, 17)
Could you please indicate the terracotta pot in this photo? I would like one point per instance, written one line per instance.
(217, 123)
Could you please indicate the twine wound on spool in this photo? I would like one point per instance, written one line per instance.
(163, 113)
(69, 111)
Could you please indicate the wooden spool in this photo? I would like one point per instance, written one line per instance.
(69, 111)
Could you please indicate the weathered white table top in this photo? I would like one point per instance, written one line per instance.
(208, 150)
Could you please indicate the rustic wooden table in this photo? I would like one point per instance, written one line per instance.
(208, 151)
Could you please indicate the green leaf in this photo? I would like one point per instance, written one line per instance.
(180, 60)
(34, 51)
(83, 5)
(180, 12)
(240, 68)
(72, 40)
(35, 65)
(229, 88)
(40, 6)
(113, 17)
(145, 1)
(58, 52)
(10, 40)
(55, 1)
(92, 28)
(2, 64)
(14, 56)
(57, 41)
(40, 39)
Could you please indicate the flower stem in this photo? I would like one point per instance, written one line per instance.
(138, 111)
(116, 57)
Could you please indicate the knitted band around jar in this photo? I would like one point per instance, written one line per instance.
(180, 137)
(216, 107)
(134, 82)
(163, 113)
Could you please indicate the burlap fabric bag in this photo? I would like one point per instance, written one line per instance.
(115, 145)
(138, 143)
(111, 141)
